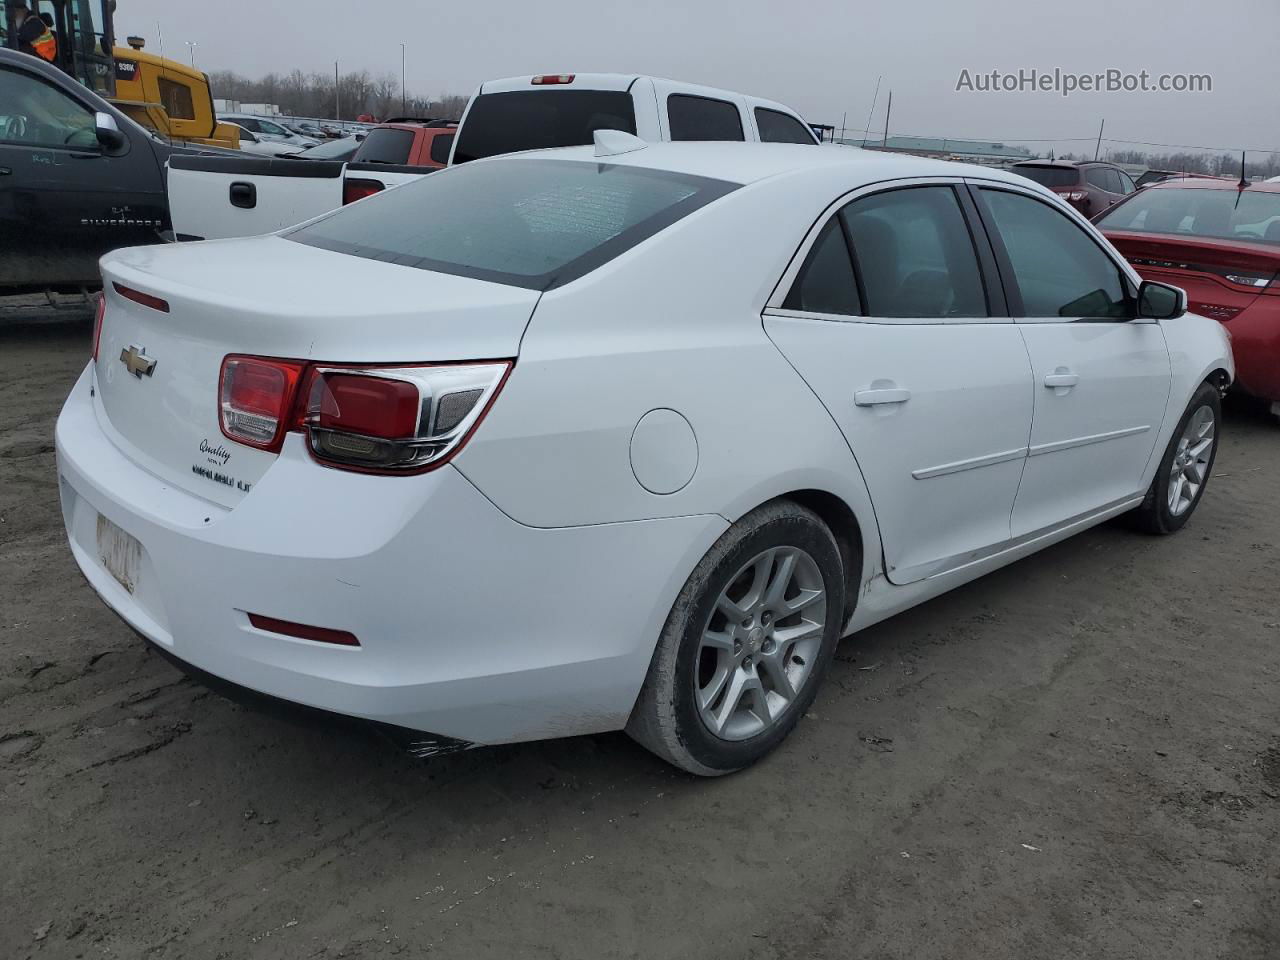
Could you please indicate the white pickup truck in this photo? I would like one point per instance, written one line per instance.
(216, 197)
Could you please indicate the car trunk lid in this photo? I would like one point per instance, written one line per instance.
(157, 370)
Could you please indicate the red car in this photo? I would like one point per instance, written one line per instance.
(1220, 242)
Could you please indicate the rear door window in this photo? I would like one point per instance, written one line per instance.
(914, 255)
(826, 283)
(385, 145)
(537, 119)
(528, 223)
(703, 118)
(1097, 177)
(778, 127)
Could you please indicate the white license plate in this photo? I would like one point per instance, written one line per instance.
(120, 553)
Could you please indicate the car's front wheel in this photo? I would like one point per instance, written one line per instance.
(1184, 471)
(746, 643)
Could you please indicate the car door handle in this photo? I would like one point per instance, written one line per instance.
(878, 395)
(1061, 378)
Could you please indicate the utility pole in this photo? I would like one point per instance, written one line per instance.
(887, 111)
(871, 113)
(844, 118)
(403, 96)
(1098, 148)
(337, 102)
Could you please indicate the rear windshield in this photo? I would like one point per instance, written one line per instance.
(1049, 176)
(535, 119)
(332, 150)
(524, 222)
(1251, 216)
(386, 145)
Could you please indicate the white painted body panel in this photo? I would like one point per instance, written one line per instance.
(519, 591)
(1091, 442)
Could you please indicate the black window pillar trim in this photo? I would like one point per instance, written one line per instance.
(1003, 264)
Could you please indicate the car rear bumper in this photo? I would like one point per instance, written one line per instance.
(470, 625)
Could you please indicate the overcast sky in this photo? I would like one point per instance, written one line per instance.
(820, 56)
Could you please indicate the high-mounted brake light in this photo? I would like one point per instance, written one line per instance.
(97, 323)
(550, 78)
(256, 397)
(146, 299)
(357, 188)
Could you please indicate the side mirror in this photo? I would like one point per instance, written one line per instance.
(1159, 301)
(110, 138)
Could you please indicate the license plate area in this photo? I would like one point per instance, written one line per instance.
(120, 553)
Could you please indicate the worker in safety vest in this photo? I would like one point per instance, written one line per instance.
(34, 35)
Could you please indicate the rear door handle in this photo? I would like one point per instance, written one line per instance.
(1062, 377)
(878, 395)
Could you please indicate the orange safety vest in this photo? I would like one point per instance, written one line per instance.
(46, 45)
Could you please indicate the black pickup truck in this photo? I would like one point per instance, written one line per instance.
(77, 178)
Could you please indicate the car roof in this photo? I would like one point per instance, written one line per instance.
(618, 81)
(1205, 183)
(750, 162)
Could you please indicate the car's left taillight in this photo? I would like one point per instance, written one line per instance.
(357, 188)
(98, 314)
(396, 419)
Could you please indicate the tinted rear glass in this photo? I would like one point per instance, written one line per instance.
(385, 145)
(441, 144)
(535, 119)
(1252, 216)
(528, 223)
(703, 118)
(342, 149)
(777, 127)
(1049, 176)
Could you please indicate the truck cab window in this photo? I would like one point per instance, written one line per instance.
(36, 113)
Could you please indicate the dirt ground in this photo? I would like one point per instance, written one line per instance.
(1077, 757)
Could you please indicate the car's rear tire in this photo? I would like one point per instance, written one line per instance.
(1185, 468)
(746, 644)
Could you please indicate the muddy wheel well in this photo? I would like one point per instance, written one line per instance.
(835, 513)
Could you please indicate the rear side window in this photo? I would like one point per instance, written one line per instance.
(527, 223)
(1060, 270)
(1049, 176)
(826, 283)
(702, 118)
(537, 119)
(441, 144)
(778, 127)
(914, 254)
(385, 145)
(1097, 177)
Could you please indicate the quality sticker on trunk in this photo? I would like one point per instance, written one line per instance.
(216, 459)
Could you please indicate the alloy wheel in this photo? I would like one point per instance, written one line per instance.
(760, 644)
(1190, 468)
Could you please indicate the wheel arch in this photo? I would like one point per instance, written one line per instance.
(850, 538)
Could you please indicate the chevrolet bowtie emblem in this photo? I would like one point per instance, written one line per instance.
(137, 362)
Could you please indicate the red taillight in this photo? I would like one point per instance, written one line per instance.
(301, 630)
(97, 323)
(378, 419)
(357, 188)
(549, 78)
(146, 299)
(256, 399)
(373, 406)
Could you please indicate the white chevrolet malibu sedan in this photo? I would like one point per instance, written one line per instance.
(623, 437)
